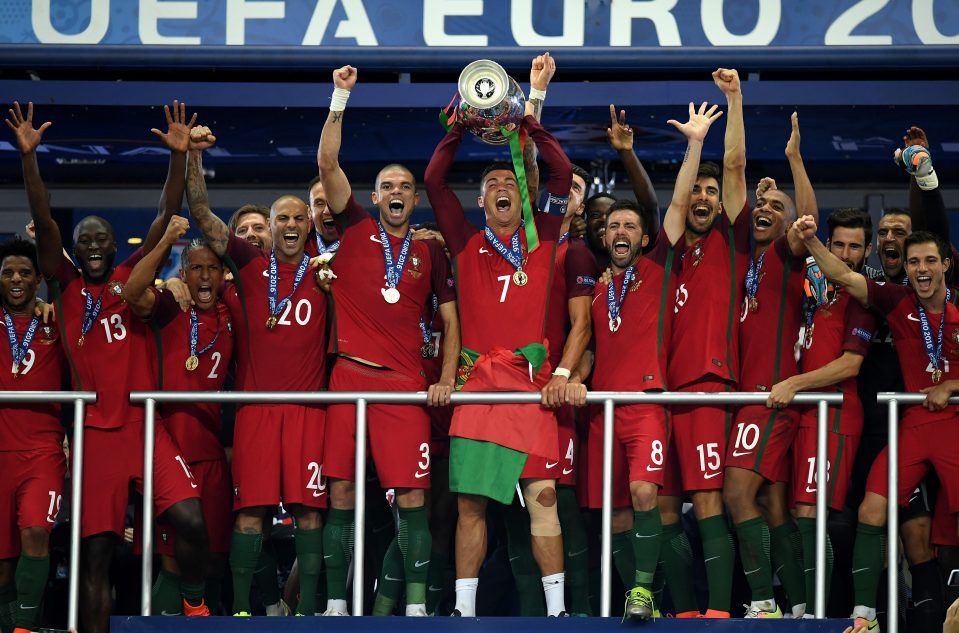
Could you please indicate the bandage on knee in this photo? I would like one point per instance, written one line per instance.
(543, 519)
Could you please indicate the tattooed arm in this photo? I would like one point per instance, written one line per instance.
(214, 230)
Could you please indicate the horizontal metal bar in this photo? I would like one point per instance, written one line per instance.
(48, 396)
(907, 398)
(595, 397)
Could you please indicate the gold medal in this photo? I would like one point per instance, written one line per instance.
(936, 376)
(271, 322)
(80, 341)
(428, 350)
(753, 304)
(520, 278)
(192, 363)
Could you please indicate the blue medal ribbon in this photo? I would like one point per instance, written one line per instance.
(427, 329)
(616, 306)
(934, 352)
(563, 238)
(275, 308)
(19, 349)
(394, 270)
(195, 334)
(323, 249)
(514, 255)
(90, 310)
(752, 275)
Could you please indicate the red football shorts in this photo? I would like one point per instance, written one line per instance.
(841, 454)
(945, 523)
(563, 470)
(759, 441)
(398, 435)
(699, 434)
(112, 459)
(640, 441)
(216, 492)
(278, 456)
(440, 418)
(31, 486)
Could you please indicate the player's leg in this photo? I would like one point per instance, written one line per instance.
(547, 540)
(575, 543)
(96, 557)
(442, 520)
(785, 544)
(470, 550)
(676, 555)
(166, 598)
(623, 559)
(192, 549)
(246, 543)
(525, 572)
(740, 489)
(338, 536)
(8, 591)
(308, 536)
(867, 558)
(33, 567)
(416, 544)
(647, 533)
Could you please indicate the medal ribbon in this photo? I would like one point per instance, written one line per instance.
(563, 238)
(195, 334)
(514, 255)
(616, 306)
(934, 352)
(18, 350)
(394, 271)
(275, 308)
(752, 275)
(90, 311)
(323, 249)
(427, 329)
(517, 140)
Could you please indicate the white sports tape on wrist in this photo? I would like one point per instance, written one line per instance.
(562, 371)
(536, 93)
(339, 99)
(929, 182)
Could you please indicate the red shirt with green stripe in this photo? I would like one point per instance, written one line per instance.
(633, 358)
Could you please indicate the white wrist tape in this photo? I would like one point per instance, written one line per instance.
(339, 99)
(536, 93)
(562, 371)
(928, 182)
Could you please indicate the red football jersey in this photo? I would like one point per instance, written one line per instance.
(705, 337)
(365, 325)
(292, 355)
(900, 305)
(574, 276)
(194, 426)
(118, 354)
(634, 357)
(767, 337)
(843, 325)
(25, 426)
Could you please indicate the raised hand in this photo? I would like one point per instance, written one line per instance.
(542, 71)
(915, 136)
(792, 145)
(805, 227)
(28, 138)
(619, 134)
(31, 230)
(344, 77)
(699, 121)
(175, 230)
(201, 138)
(765, 184)
(727, 79)
(177, 136)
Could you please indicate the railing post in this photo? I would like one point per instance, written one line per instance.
(76, 496)
(149, 439)
(822, 509)
(892, 521)
(359, 546)
(606, 554)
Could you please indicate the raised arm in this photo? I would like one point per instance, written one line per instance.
(177, 140)
(620, 136)
(450, 215)
(734, 158)
(215, 231)
(805, 195)
(834, 268)
(926, 206)
(560, 169)
(541, 72)
(695, 132)
(335, 183)
(136, 292)
(48, 238)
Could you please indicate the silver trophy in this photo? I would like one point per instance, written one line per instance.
(489, 99)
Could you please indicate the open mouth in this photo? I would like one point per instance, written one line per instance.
(701, 211)
(290, 238)
(396, 206)
(329, 224)
(17, 293)
(763, 222)
(95, 262)
(503, 203)
(204, 294)
(890, 256)
(923, 282)
(621, 247)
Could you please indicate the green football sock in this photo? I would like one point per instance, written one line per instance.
(719, 554)
(265, 574)
(213, 594)
(391, 581)
(677, 558)
(416, 543)
(338, 551)
(526, 573)
(437, 580)
(623, 558)
(245, 550)
(193, 593)
(868, 556)
(647, 532)
(807, 528)
(166, 598)
(30, 580)
(309, 556)
(576, 550)
(754, 550)
(786, 555)
(659, 583)
(8, 605)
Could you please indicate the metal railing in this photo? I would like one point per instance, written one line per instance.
(80, 399)
(608, 399)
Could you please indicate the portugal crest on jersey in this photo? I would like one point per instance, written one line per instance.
(116, 288)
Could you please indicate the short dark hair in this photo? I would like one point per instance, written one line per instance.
(924, 237)
(597, 196)
(896, 211)
(18, 247)
(582, 173)
(194, 245)
(850, 218)
(397, 166)
(247, 209)
(710, 170)
(312, 183)
(500, 165)
(627, 204)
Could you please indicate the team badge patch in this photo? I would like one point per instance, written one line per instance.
(698, 253)
(866, 335)
(116, 288)
(586, 280)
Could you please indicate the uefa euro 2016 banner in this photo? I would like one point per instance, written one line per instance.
(482, 23)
